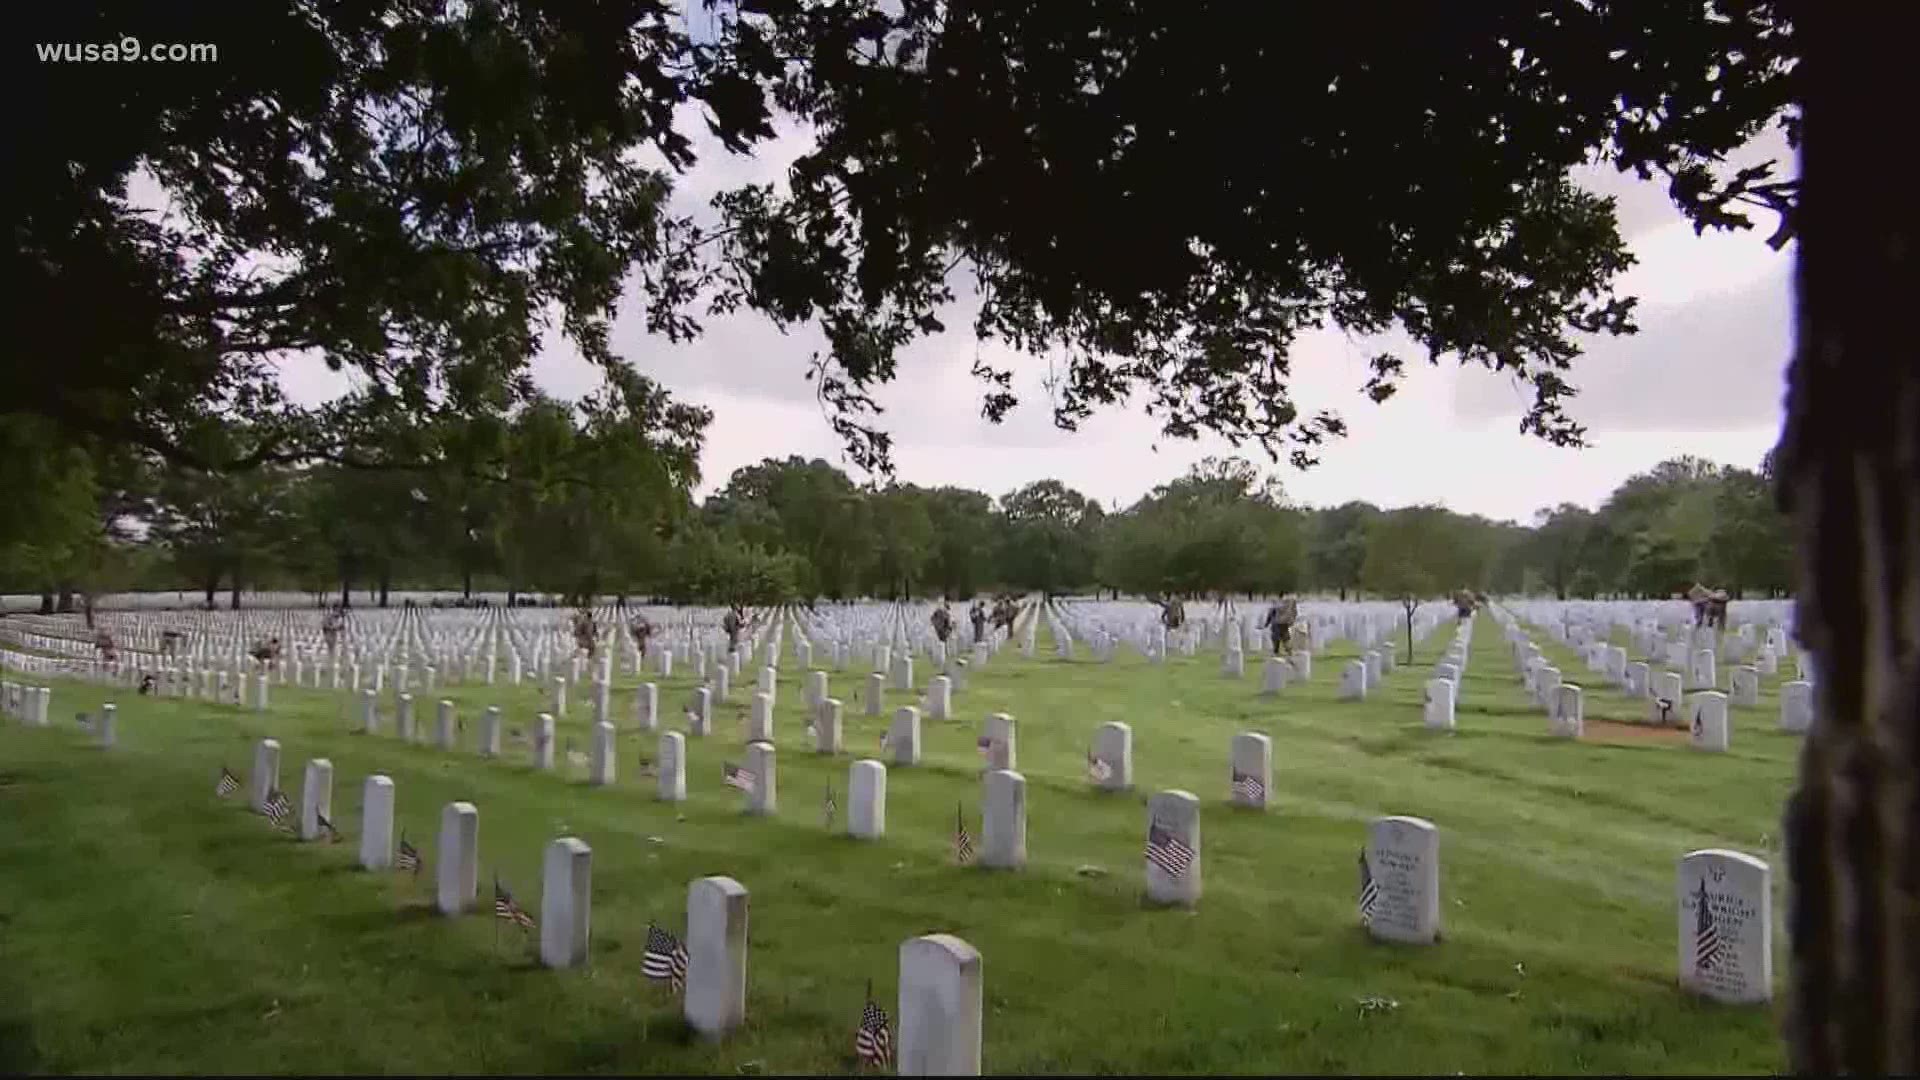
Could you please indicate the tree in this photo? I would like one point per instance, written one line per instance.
(1048, 540)
(1340, 545)
(1411, 556)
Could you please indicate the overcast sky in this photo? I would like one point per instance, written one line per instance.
(1705, 376)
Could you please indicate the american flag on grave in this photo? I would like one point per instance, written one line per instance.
(962, 842)
(665, 958)
(408, 860)
(737, 777)
(1369, 890)
(227, 784)
(506, 910)
(1167, 851)
(1098, 771)
(872, 1042)
(326, 827)
(1706, 934)
(279, 810)
(1248, 787)
(829, 806)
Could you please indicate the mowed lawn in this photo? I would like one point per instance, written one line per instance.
(146, 925)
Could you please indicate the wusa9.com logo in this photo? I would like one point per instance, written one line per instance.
(127, 49)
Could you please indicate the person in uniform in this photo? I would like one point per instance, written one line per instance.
(641, 629)
(585, 636)
(103, 641)
(1279, 622)
(1173, 613)
(732, 624)
(978, 615)
(942, 622)
(170, 641)
(1463, 603)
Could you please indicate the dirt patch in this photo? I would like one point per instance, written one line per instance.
(1615, 731)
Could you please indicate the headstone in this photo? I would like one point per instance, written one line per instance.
(1173, 848)
(764, 799)
(1251, 758)
(1666, 708)
(316, 798)
(601, 756)
(490, 732)
(700, 717)
(559, 704)
(1437, 710)
(1353, 681)
(566, 901)
(1003, 821)
(940, 698)
(939, 1008)
(760, 719)
(903, 672)
(646, 707)
(1111, 765)
(1233, 663)
(876, 693)
(1702, 674)
(1373, 669)
(1726, 926)
(716, 992)
(106, 735)
(1568, 717)
(266, 773)
(1274, 675)
(1744, 683)
(403, 717)
(1002, 748)
(1546, 683)
(1400, 881)
(1796, 706)
(867, 800)
(816, 688)
(446, 726)
(903, 737)
(1707, 720)
(376, 823)
(722, 683)
(543, 741)
(369, 712)
(260, 692)
(671, 764)
(827, 727)
(1639, 678)
(1302, 664)
(458, 860)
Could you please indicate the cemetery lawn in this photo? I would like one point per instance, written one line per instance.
(146, 925)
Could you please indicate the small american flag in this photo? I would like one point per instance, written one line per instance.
(1098, 771)
(279, 809)
(409, 859)
(1167, 851)
(1706, 935)
(227, 784)
(883, 739)
(735, 776)
(647, 767)
(665, 959)
(829, 806)
(505, 909)
(1248, 788)
(872, 1042)
(1369, 890)
(962, 843)
(332, 834)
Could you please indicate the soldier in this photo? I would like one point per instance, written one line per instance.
(732, 624)
(169, 641)
(978, 615)
(1699, 597)
(103, 641)
(265, 651)
(642, 630)
(1279, 622)
(148, 683)
(1717, 609)
(1173, 613)
(330, 628)
(942, 622)
(586, 636)
(1463, 603)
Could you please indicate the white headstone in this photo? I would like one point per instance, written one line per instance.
(446, 726)
(601, 755)
(566, 902)
(1273, 678)
(1796, 706)
(1302, 664)
(1707, 720)
(760, 719)
(458, 858)
(1702, 674)
(543, 741)
(1744, 682)
(1400, 880)
(903, 737)
(1568, 717)
(716, 992)
(559, 695)
(867, 800)
(876, 693)
(939, 1008)
(1639, 678)
(1437, 709)
(816, 688)
(369, 712)
(1726, 926)
(1110, 764)
(940, 698)
(646, 707)
(1003, 742)
(1251, 770)
(266, 773)
(106, 734)
(671, 763)
(1353, 681)
(1666, 707)
(828, 728)
(764, 799)
(316, 798)
(1003, 821)
(1173, 848)
(490, 732)
(376, 823)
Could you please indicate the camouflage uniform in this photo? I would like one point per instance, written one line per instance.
(1279, 622)
(942, 623)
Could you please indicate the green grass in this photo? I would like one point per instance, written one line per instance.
(147, 926)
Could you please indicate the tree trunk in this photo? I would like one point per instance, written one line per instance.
(386, 587)
(211, 587)
(46, 603)
(1848, 466)
(466, 584)
(65, 606)
(346, 592)
(233, 597)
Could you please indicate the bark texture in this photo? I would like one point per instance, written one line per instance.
(1850, 478)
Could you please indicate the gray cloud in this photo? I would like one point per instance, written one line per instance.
(1715, 363)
